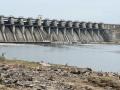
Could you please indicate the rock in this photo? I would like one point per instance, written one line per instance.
(80, 70)
(19, 83)
(51, 88)
(89, 87)
(75, 71)
(56, 77)
(43, 86)
(29, 85)
(51, 78)
(100, 74)
(7, 81)
(84, 70)
(108, 88)
(45, 64)
(5, 67)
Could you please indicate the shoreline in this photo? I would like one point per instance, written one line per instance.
(57, 43)
(25, 75)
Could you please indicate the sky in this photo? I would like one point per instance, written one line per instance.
(106, 11)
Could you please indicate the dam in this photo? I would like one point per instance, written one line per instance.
(29, 30)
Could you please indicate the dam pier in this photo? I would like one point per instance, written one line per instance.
(29, 30)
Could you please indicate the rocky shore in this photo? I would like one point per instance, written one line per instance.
(23, 75)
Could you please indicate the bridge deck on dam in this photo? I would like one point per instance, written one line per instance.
(29, 30)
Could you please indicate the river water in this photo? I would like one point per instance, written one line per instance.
(100, 57)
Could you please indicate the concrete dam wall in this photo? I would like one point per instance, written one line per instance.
(29, 30)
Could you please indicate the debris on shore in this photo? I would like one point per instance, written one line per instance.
(23, 75)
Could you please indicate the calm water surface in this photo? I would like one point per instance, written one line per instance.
(96, 56)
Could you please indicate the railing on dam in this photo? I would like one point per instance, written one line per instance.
(29, 30)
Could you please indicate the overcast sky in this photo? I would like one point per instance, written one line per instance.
(107, 11)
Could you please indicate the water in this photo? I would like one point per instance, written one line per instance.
(96, 56)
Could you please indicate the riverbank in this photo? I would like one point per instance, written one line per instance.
(58, 43)
(24, 75)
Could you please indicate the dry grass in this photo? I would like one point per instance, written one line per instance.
(3, 87)
(105, 81)
(19, 62)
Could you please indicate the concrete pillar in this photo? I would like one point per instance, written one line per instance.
(12, 25)
(49, 31)
(71, 31)
(13, 29)
(21, 23)
(79, 32)
(50, 35)
(64, 31)
(3, 31)
(92, 34)
(98, 32)
(39, 22)
(39, 30)
(85, 31)
(57, 31)
(65, 36)
(23, 32)
(32, 33)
